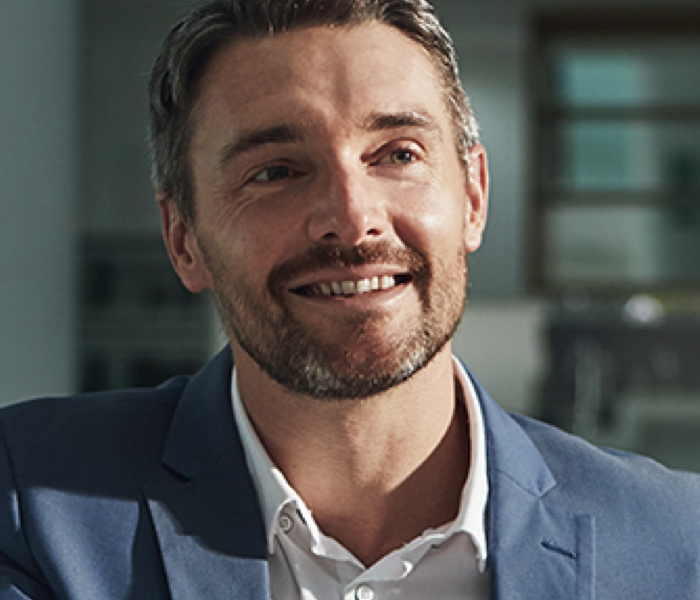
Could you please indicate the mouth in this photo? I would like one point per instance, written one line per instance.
(352, 287)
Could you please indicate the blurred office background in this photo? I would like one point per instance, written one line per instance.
(584, 300)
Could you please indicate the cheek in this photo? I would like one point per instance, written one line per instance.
(253, 244)
(432, 219)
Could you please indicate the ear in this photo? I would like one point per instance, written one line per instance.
(477, 196)
(183, 247)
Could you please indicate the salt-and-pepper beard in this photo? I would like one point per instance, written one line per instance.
(299, 360)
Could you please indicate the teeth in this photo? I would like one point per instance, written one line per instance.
(351, 288)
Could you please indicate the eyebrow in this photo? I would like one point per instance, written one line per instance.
(255, 138)
(287, 133)
(400, 120)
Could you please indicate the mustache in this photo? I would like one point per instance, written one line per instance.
(336, 256)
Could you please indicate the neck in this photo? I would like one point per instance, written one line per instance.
(377, 472)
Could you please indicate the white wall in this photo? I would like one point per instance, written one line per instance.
(37, 167)
(493, 75)
(501, 343)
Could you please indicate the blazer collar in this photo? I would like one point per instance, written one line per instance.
(206, 513)
(212, 536)
(203, 428)
(537, 548)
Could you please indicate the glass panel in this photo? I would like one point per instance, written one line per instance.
(627, 73)
(627, 156)
(621, 245)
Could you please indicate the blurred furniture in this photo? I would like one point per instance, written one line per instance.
(664, 424)
(138, 324)
(617, 144)
(629, 385)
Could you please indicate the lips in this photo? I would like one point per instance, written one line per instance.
(352, 287)
(329, 271)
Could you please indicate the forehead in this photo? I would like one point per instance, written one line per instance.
(336, 72)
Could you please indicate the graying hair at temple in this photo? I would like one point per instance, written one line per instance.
(192, 43)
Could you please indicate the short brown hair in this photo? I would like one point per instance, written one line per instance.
(193, 41)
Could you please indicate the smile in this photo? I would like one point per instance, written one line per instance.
(328, 289)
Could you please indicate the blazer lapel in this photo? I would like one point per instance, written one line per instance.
(537, 549)
(205, 512)
(210, 529)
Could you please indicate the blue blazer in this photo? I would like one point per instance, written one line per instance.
(145, 495)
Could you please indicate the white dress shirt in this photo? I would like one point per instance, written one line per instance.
(447, 563)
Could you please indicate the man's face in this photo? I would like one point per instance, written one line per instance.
(333, 214)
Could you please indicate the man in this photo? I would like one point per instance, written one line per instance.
(318, 169)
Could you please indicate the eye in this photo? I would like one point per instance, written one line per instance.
(273, 173)
(399, 156)
(402, 156)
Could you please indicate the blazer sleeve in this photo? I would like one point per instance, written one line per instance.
(20, 576)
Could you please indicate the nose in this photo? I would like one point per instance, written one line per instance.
(348, 208)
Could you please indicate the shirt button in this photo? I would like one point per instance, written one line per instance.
(285, 522)
(364, 592)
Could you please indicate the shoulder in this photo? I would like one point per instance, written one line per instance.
(589, 477)
(91, 408)
(71, 469)
(84, 427)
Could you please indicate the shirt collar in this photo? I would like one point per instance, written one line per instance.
(275, 493)
(472, 514)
